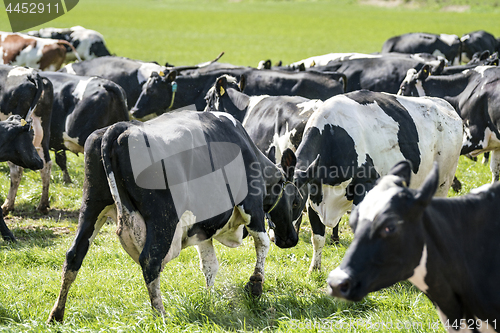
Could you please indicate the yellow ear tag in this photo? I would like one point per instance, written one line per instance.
(161, 73)
(404, 184)
(313, 63)
(23, 122)
(222, 91)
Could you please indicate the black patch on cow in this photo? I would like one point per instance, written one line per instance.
(407, 134)
(364, 180)
(75, 43)
(339, 159)
(98, 49)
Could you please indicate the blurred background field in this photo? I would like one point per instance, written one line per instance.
(109, 293)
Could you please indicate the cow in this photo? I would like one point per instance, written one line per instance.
(355, 138)
(81, 105)
(380, 73)
(274, 123)
(475, 96)
(447, 46)
(25, 93)
(159, 94)
(215, 184)
(88, 43)
(477, 41)
(16, 146)
(128, 73)
(324, 60)
(39, 53)
(447, 247)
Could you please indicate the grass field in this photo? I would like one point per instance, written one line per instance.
(109, 294)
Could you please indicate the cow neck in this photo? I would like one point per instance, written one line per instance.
(448, 87)
(190, 89)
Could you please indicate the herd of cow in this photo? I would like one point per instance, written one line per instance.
(349, 132)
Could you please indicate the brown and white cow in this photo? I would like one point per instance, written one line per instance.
(38, 53)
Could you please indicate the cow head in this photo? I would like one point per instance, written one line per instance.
(17, 143)
(226, 96)
(412, 84)
(284, 203)
(388, 239)
(158, 94)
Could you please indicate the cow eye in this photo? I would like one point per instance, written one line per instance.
(389, 229)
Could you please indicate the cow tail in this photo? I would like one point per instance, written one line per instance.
(63, 42)
(108, 141)
(38, 82)
(120, 96)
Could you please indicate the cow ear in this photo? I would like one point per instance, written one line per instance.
(428, 189)
(403, 171)
(288, 162)
(304, 177)
(239, 99)
(279, 64)
(171, 76)
(243, 82)
(439, 68)
(271, 154)
(424, 72)
(267, 64)
(302, 67)
(484, 55)
(221, 86)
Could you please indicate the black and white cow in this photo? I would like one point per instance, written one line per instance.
(353, 139)
(16, 146)
(88, 43)
(274, 123)
(158, 94)
(447, 46)
(478, 41)
(82, 105)
(475, 94)
(215, 184)
(377, 73)
(128, 73)
(448, 248)
(25, 93)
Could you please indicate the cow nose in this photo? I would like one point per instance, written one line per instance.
(339, 283)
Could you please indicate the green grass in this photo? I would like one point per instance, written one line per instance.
(109, 293)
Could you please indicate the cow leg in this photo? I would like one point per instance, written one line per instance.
(4, 230)
(61, 162)
(335, 234)
(16, 174)
(495, 165)
(44, 205)
(262, 243)
(317, 239)
(208, 261)
(91, 221)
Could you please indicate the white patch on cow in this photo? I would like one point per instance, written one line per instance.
(80, 88)
(378, 199)
(38, 134)
(231, 235)
(448, 39)
(19, 71)
(225, 115)
(261, 64)
(155, 295)
(72, 144)
(323, 60)
(144, 72)
(438, 53)
(283, 142)
(31, 56)
(311, 105)
(180, 238)
(482, 69)
(2, 55)
(334, 204)
(208, 261)
(337, 276)
(254, 100)
(69, 69)
(318, 243)
(481, 189)
(464, 38)
(108, 211)
(420, 272)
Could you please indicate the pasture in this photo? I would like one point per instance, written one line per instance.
(109, 293)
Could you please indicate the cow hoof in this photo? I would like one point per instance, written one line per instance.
(456, 185)
(335, 239)
(254, 286)
(55, 316)
(44, 209)
(6, 210)
(67, 179)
